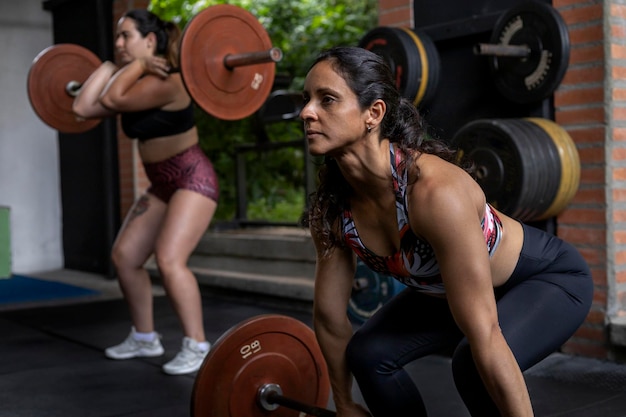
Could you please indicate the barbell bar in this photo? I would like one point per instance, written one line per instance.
(270, 397)
(232, 61)
(266, 363)
(517, 51)
(227, 63)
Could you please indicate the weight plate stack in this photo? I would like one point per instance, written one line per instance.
(517, 165)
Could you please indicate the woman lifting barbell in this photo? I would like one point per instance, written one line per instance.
(171, 217)
(502, 294)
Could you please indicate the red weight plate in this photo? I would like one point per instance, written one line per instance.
(214, 33)
(52, 70)
(261, 350)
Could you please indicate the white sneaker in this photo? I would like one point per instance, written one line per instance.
(188, 360)
(132, 348)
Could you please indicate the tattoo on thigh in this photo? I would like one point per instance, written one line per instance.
(140, 207)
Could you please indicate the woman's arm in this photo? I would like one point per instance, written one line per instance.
(87, 104)
(333, 286)
(142, 84)
(447, 213)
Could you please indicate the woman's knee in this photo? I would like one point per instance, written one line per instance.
(463, 367)
(469, 384)
(169, 262)
(356, 353)
(363, 353)
(123, 259)
(366, 355)
(165, 263)
(466, 376)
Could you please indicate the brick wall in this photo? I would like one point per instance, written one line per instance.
(398, 13)
(615, 23)
(580, 109)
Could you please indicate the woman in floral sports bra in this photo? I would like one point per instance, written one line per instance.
(500, 294)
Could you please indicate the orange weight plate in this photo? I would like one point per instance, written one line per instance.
(266, 349)
(52, 70)
(214, 33)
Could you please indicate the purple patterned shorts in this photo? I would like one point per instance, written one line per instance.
(189, 170)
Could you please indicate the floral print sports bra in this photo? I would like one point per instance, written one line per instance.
(414, 264)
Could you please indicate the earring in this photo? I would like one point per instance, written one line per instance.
(369, 129)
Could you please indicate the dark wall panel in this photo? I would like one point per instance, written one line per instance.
(88, 161)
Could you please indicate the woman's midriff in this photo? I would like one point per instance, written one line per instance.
(160, 149)
(505, 258)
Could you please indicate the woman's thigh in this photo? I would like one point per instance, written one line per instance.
(136, 238)
(548, 298)
(186, 221)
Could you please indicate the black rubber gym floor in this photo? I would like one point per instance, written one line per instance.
(51, 364)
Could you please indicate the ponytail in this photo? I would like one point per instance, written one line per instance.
(172, 48)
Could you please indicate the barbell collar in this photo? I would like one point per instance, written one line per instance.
(265, 396)
(231, 61)
(502, 50)
(73, 88)
(270, 396)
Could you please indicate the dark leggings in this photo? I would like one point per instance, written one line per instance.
(539, 308)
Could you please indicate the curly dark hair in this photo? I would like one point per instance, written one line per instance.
(370, 78)
(168, 34)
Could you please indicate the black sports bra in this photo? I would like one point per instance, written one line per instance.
(156, 123)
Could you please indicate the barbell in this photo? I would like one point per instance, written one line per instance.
(227, 63)
(259, 365)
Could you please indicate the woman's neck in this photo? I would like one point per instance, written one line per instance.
(367, 170)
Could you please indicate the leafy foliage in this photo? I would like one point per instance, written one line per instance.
(301, 29)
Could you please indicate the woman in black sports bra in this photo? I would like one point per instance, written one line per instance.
(500, 294)
(171, 217)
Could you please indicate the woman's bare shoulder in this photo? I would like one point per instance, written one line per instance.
(442, 187)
